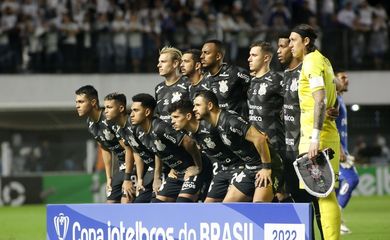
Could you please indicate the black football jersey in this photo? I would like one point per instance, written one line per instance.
(201, 86)
(232, 129)
(129, 135)
(291, 109)
(212, 146)
(265, 102)
(165, 141)
(103, 131)
(230, 85)
(166, 95)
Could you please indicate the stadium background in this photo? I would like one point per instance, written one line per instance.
(50, 48)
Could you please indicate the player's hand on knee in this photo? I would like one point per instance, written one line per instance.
(191, 171)
(128, 188)
(156, 185)
(263, 178)
(108, 187)
(172, 174)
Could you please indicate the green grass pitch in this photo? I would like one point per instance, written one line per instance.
(367, 217)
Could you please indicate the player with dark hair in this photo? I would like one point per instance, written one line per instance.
(317, 92)
(211, 144)
(349, 178)
(228, 82)
(265, 100)
(115, 112)
(260, 179)
(174, 87)
(173, 148)
(191, 67)
(87, 105)
(291, 113)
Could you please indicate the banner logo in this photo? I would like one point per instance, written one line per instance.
(61, 224)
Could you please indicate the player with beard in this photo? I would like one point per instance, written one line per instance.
(230, 83)
(191, 67)
(263, 167)
(173, 148)
(265, 100)
(317, 92)
(211, 144)
(291, 113)
(174, 87)
(115, 110)
(87, 105)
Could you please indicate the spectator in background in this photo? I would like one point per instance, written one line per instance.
(119, 28)
(349, 178)
(69, 30)
(87, 51)
(378, 41)
(197, 30)
(134, 37)
(346, 16)
(51, 50)
(104, 43)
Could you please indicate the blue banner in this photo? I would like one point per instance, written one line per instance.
(179, 221)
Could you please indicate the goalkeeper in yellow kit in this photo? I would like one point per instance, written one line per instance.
(317, 92)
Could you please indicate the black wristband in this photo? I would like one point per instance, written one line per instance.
(127, 176)
(266, 165)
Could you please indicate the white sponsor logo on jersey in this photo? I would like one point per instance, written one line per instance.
(226, 140)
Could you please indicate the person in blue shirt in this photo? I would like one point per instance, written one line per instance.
(349, 178)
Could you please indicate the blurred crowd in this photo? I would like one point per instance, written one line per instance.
(82, 36)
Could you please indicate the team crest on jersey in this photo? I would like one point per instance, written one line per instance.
(108, 135)
(159, 145)
(133, 142)
(176, 97)
(210, 144)
(226, 140)
(166, 102)
(263, 89)
(223, 87)
(294, 85)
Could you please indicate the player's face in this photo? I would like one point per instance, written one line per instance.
(138, 113)
(187, 65)
(179, 120)
(343, 81)
(200, 108)
(166, 65)
(284, 51)
(256, 59)
(83, 105)
(209, 55)
(112, 109)
(297, 45)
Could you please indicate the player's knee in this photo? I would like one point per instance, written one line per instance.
(183, 199)
(156, 200)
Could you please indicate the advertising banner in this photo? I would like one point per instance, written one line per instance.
(179, 221)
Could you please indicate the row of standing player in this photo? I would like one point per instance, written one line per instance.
(249, 167)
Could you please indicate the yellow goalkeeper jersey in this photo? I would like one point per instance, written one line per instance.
(316, 74)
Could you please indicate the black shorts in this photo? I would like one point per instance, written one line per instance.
(245, 180)
(116, 186)
(172, 187)
(145, 196)
(221, 182)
